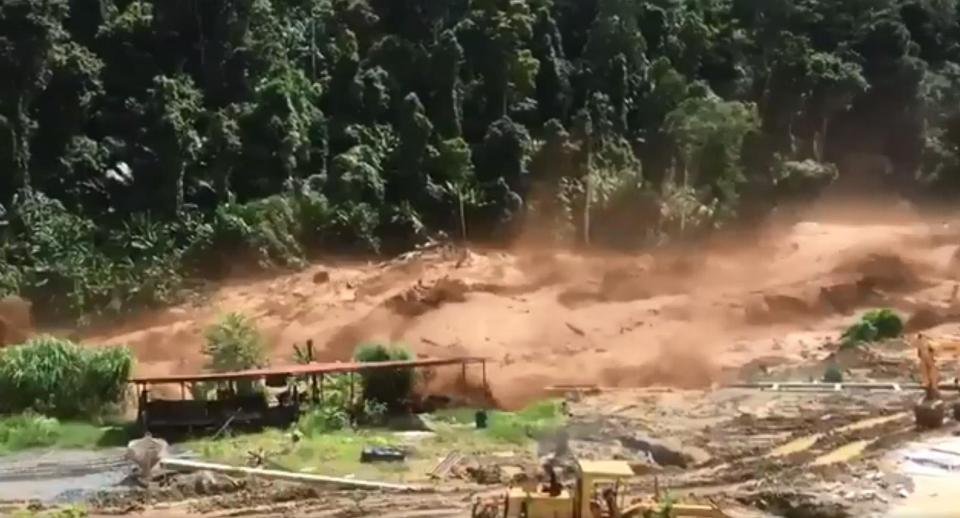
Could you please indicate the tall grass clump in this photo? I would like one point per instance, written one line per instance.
(57, 377)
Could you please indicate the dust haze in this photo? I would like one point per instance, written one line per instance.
(683, 316)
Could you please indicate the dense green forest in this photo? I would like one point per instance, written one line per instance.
(143, 143)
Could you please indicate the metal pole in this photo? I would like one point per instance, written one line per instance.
(483, 367)
(313, 377)
(350, 403)
(463, 373)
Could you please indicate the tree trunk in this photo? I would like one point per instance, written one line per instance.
(820, 141)
(221, 183)
(589, 194)
(463, 217)
(21, 150)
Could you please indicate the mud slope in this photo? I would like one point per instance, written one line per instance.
(680, 317)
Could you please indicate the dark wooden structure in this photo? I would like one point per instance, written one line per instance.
(238, 408)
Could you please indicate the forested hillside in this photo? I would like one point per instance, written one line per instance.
(146, 142)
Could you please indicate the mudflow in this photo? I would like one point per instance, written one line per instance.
(686, 317)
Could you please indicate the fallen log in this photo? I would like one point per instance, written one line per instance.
(291, 476)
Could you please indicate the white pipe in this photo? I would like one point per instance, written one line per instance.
(280, 475)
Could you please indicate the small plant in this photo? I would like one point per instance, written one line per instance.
(323, 419)
(28, 430)
(833, 374)
(234, 343)
(374, 411)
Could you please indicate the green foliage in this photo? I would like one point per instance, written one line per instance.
(877, 324)
(833, 374)
(266, 229)
(63, 379)
(390, 387)
(323, 419)
(887, 323)
(858, 333)
(273, 131)
(233, 343)
(512, 427)
(28, 430)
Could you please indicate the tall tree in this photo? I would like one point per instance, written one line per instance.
(29, 31)
(173, 110)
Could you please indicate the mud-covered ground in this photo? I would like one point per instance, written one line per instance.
(752, 452)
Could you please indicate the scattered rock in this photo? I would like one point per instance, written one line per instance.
(321, 277)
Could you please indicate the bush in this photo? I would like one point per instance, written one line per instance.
(887, 323)
(59, 378)
(266, 229)
(233, 344)
(323, 419)
(833, 374)
(28, 430)
(877, 324)
(391, 387)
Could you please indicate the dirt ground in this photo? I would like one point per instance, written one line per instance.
(752, 452)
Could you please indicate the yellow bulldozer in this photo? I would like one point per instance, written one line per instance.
(599, 492)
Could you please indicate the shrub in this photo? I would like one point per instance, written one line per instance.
(887, 323)
(233, 343)
(28, 430)
(267, 229)
(833, 374)
(877, 324)
(391, 387)
(59, 378)
(323, 419)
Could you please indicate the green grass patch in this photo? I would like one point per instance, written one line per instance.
(29, 431)
(337, 453)
(510, 427)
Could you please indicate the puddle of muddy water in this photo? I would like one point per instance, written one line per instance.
(933, 466)
(844, 453)
(795, 446)
(66, 476)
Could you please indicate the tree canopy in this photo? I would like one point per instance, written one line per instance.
(144, 141)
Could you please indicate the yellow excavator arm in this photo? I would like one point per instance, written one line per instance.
(929, 375)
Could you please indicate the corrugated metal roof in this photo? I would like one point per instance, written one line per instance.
(304, 370)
